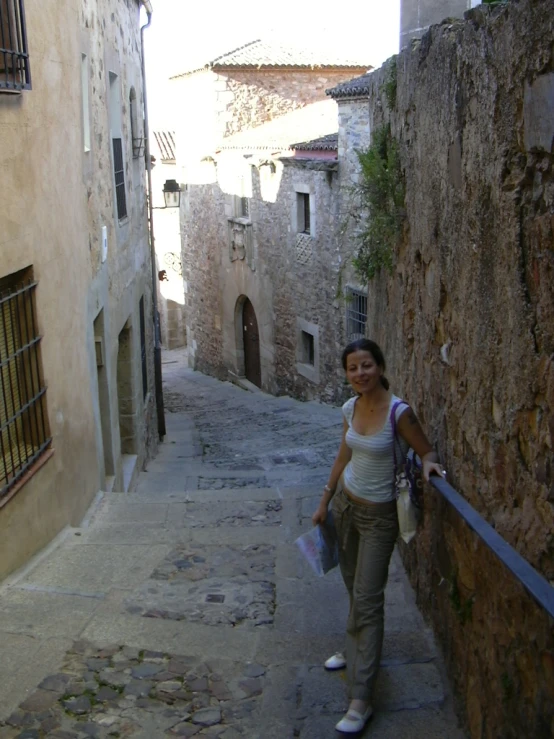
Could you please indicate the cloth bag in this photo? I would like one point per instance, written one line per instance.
(320, 546)
(408, 485)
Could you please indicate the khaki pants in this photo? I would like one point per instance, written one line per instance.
(367, 534)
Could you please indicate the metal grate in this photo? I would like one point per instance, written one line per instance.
(15, 73)
(143, 348)
(119, 177)
(356, 314)
(23, 424)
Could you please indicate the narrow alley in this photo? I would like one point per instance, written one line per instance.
(184, 608)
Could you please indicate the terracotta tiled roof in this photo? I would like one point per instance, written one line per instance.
(268, 54)
(166, 144)
(330, 142)
(315, 121)
(358, 87)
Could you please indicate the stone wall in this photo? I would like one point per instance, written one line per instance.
(110, 37)
(249, 98)
(466, 323)
(234, 100)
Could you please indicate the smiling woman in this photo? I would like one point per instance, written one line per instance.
(365, 513)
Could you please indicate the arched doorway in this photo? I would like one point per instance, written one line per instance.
(251, 339)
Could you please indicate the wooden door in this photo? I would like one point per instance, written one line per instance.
(251, 337)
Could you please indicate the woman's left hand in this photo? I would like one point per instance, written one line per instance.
(432, 468)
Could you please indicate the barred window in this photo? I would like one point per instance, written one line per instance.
(356, 314)
(114, 112)
(15, 73)
(303, 211)
(119, 177)
(143, 361)
(24, 433)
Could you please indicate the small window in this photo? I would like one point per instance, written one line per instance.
(244, 208)
(143, 349)
(308, 351)
(86, 102)
(356, 314)
(24, 432)
(15, 73)
(303, 210)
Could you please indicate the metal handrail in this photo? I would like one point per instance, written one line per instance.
(536, 585)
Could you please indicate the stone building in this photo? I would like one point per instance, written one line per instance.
(77, 411)
(165, 187)
(417, 15)
(259, 220)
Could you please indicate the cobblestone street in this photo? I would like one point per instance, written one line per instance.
(184, 608)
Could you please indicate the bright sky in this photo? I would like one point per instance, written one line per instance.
(183, 33)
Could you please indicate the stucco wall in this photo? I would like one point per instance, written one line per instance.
(55, 198)
(466, 325)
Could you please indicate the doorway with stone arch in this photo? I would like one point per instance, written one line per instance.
(248, 340)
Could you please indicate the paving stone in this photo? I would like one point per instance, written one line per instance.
(254, 671)
(79, 705)
(251, 686)
(146, 670)
(184, 729)
(220, 691)
(106, 694)
(49, 724)
(116, 679)
(138, 688)
(20, 718)
(56, 683)
(207, 717)
(169, 686)
(40, 700)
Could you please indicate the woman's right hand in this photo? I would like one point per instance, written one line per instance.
(320, 514)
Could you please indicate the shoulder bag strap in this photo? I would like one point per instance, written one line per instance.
(395, 439)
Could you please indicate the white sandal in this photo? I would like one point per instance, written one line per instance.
(353, 721)
(336, 662)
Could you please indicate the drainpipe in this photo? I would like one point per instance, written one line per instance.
(157, 338)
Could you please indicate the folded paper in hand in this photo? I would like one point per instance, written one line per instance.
(320, 546)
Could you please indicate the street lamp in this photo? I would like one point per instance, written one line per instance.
(172, 194)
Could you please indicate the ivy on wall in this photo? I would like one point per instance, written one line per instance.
(382, 194)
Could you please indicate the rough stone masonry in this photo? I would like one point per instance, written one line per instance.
(467, 325)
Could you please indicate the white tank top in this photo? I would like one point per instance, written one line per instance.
(370, 472)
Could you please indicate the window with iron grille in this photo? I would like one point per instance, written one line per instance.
(356, 314)
(303, 211)
(143, 348)
(15, 73)
(24, 432)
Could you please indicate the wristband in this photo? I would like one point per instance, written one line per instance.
(328, 490)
